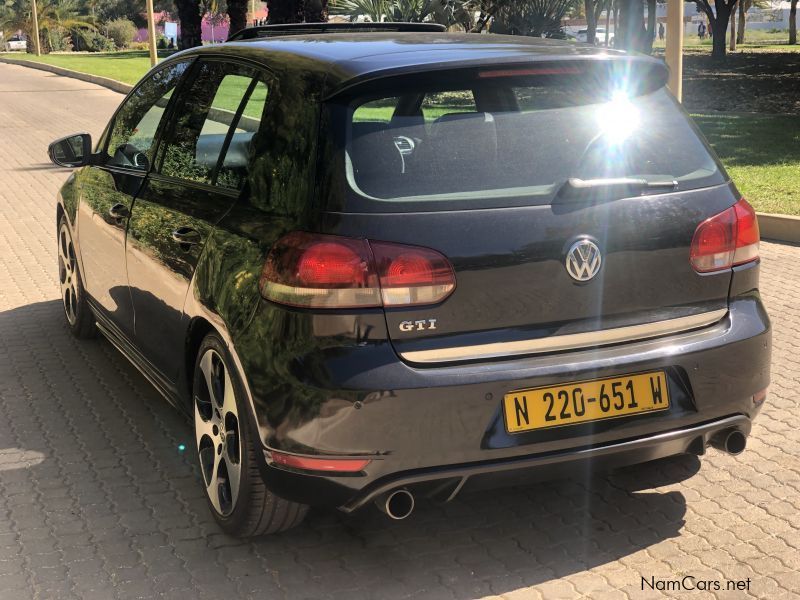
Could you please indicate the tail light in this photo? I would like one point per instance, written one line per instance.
(326, 271)
(726, 239)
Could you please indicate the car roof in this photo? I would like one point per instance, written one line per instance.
(348, 58)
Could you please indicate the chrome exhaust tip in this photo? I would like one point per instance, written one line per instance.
(398, 504)
(732, 441)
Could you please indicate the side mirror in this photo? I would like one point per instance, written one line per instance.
(71, 151)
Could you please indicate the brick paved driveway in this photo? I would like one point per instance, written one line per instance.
(97, 502)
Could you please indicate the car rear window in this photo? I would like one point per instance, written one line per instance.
(516, 137)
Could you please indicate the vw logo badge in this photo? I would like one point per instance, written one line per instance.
(583, 260)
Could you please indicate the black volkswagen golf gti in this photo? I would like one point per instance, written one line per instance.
(375, 266)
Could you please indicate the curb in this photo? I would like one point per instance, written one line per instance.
(112, 84)
(781, 228)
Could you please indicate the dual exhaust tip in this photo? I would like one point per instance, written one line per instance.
(397, 504)
(732, 441)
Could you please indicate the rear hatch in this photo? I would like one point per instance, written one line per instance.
(565, 195)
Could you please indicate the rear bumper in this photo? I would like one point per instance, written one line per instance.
(444, 425)
(445, 482)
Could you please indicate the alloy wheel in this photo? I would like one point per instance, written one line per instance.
(68, 274)
(217, 433)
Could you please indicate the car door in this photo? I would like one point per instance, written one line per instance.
(109, 187)
(202, 168)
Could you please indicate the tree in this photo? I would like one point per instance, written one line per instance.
(121, 31)
(592, 9)
(718, 18)
(531, 17)
(315, 11)
(284, 11)
(408, 11)
(56, 17)
(631, 33)
(793, 22)
(744, 6)
(190, 15)
(237, 14)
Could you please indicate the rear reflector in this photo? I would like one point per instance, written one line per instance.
(308, 463)
(726, 239)
(326, 271)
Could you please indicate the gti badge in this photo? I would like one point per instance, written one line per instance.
(583, 260)
(420, 325)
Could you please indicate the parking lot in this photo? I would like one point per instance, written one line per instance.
(97, 500)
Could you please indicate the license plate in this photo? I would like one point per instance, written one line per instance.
(584, 401)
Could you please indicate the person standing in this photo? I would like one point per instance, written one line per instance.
(661, 31)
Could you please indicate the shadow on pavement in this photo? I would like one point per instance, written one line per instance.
(91, 476)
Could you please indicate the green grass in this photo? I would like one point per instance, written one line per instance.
(762, 156)
(127, 67)
(755, 41)
(130, 66)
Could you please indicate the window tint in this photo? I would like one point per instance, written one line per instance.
(131, 142)
(523, 141)
(377, 111)
(215, 123)
(437, 104)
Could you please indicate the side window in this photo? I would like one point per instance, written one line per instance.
(131, 141)
(436, 104)
(376, 111)
(216, 119)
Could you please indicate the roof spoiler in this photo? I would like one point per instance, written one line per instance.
(287, 29)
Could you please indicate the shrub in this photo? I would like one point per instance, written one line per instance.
(93, 41)
(121, 32)
(58, 39)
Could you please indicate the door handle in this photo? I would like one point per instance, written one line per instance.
(119, 211)
(187, 236)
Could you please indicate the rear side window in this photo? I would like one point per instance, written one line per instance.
(216, 119)
(518, 138)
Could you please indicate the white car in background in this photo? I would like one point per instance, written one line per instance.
(16, 43)
(599, 37)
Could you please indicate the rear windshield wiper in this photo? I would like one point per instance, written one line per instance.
(617, 186)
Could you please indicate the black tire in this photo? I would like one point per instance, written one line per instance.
(255, 510)
(80, 319)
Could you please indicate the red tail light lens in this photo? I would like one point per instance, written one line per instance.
(747, 233)
(326, 271)
(411, 275)
(726, 239)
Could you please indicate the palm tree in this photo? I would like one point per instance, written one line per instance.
(54, 15)
(408, 11)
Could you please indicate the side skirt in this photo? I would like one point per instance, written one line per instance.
(128, 349)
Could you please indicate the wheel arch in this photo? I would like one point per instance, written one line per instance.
(200, 325)
(198, 329)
